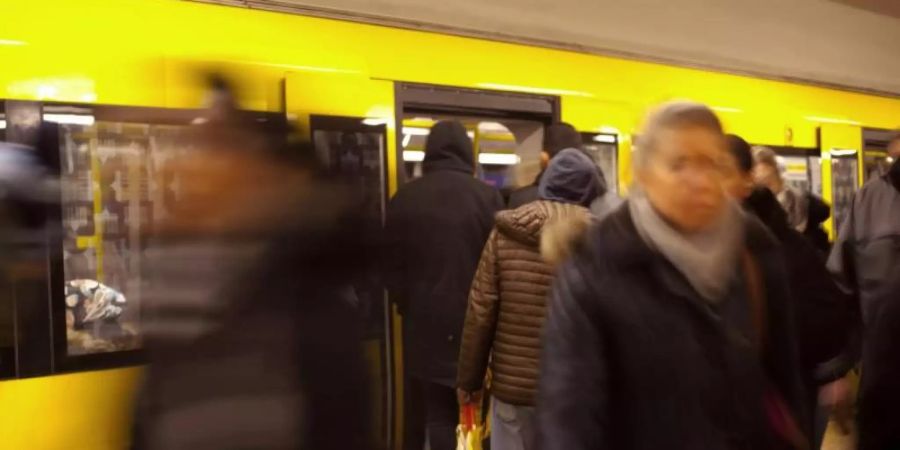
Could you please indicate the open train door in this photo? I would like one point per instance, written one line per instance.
(842, 169)
(349, 119)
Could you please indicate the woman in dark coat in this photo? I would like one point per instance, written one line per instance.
(670, 327)
(823, 314)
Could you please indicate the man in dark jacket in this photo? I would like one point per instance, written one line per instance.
(821, 310)
(557, 137)
(436, 228)
(866, 258)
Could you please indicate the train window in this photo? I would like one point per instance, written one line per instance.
(507, 150)
(112, 191)
(603, 148)
(353, 148)
(844, 183)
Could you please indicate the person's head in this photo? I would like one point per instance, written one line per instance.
(767, 170)
(448, 147)
(571, 177)
(682, 164)
(894, 146)
(558, 137)
(740, 182)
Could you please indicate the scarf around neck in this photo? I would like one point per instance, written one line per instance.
(708, 259)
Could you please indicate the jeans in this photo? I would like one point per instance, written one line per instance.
(512, 427)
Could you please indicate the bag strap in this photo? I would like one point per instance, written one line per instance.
(788, 428)
(756, 298)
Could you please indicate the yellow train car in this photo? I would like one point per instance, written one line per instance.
(324, 73)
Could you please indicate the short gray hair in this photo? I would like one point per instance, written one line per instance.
(767, 157)
(674, 114)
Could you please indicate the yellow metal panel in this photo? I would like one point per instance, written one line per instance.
(84, 411)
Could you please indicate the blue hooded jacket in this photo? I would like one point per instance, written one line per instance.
(571, 177)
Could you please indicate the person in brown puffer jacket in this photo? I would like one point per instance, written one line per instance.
(507, 301)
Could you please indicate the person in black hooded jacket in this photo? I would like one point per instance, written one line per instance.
(436, 228)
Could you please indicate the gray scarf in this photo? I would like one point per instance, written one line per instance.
(708, 259)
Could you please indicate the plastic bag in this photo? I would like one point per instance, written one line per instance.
(470, 431)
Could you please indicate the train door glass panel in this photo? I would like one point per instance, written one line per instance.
(507, 150)
(7, 309)
(875, 156)
(604, 150)
(815, 175)
(844, 183)
(112, 192)
(353, 149)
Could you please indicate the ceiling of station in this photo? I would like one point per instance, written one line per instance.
(853, 44)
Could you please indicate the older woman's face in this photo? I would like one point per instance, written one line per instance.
(685, 176)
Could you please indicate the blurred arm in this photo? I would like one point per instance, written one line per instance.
(481, 320)
(842, 265)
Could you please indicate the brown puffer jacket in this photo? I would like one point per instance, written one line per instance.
(507, 302)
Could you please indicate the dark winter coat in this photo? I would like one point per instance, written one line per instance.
(524, 195)
(634, 358)
(866, 258)
(823, 314)
(436, 228)
(821, 310)
(818, 213)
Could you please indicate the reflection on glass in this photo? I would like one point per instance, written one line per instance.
(796, 172)
(604, 155)
(112, 191)
(845, 179)
(357, 158)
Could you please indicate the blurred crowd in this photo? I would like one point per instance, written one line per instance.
(705, 310)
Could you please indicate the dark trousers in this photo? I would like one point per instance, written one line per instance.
(430, 410)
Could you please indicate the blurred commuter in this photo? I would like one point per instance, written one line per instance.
(507, 300)
(251, 341)
(866, 258)
(821, 310)
(557, 137)
(769, 172)
(670, 327)
(436, 228)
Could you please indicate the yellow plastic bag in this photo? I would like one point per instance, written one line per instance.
(470, 431)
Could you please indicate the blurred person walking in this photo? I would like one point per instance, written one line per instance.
(805, 212)
(822, 313)
(250, 340)
(670, 327)
(436, 228)
(507, 300)
(866, 259)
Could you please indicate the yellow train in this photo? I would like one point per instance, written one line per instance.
(388, 84)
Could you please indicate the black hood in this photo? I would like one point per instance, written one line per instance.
(448, 148)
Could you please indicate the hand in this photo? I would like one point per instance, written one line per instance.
(464, 397)
(837, 398)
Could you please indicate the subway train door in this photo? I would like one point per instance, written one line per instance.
(841, 150)
(506, 130)
(349, 119)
